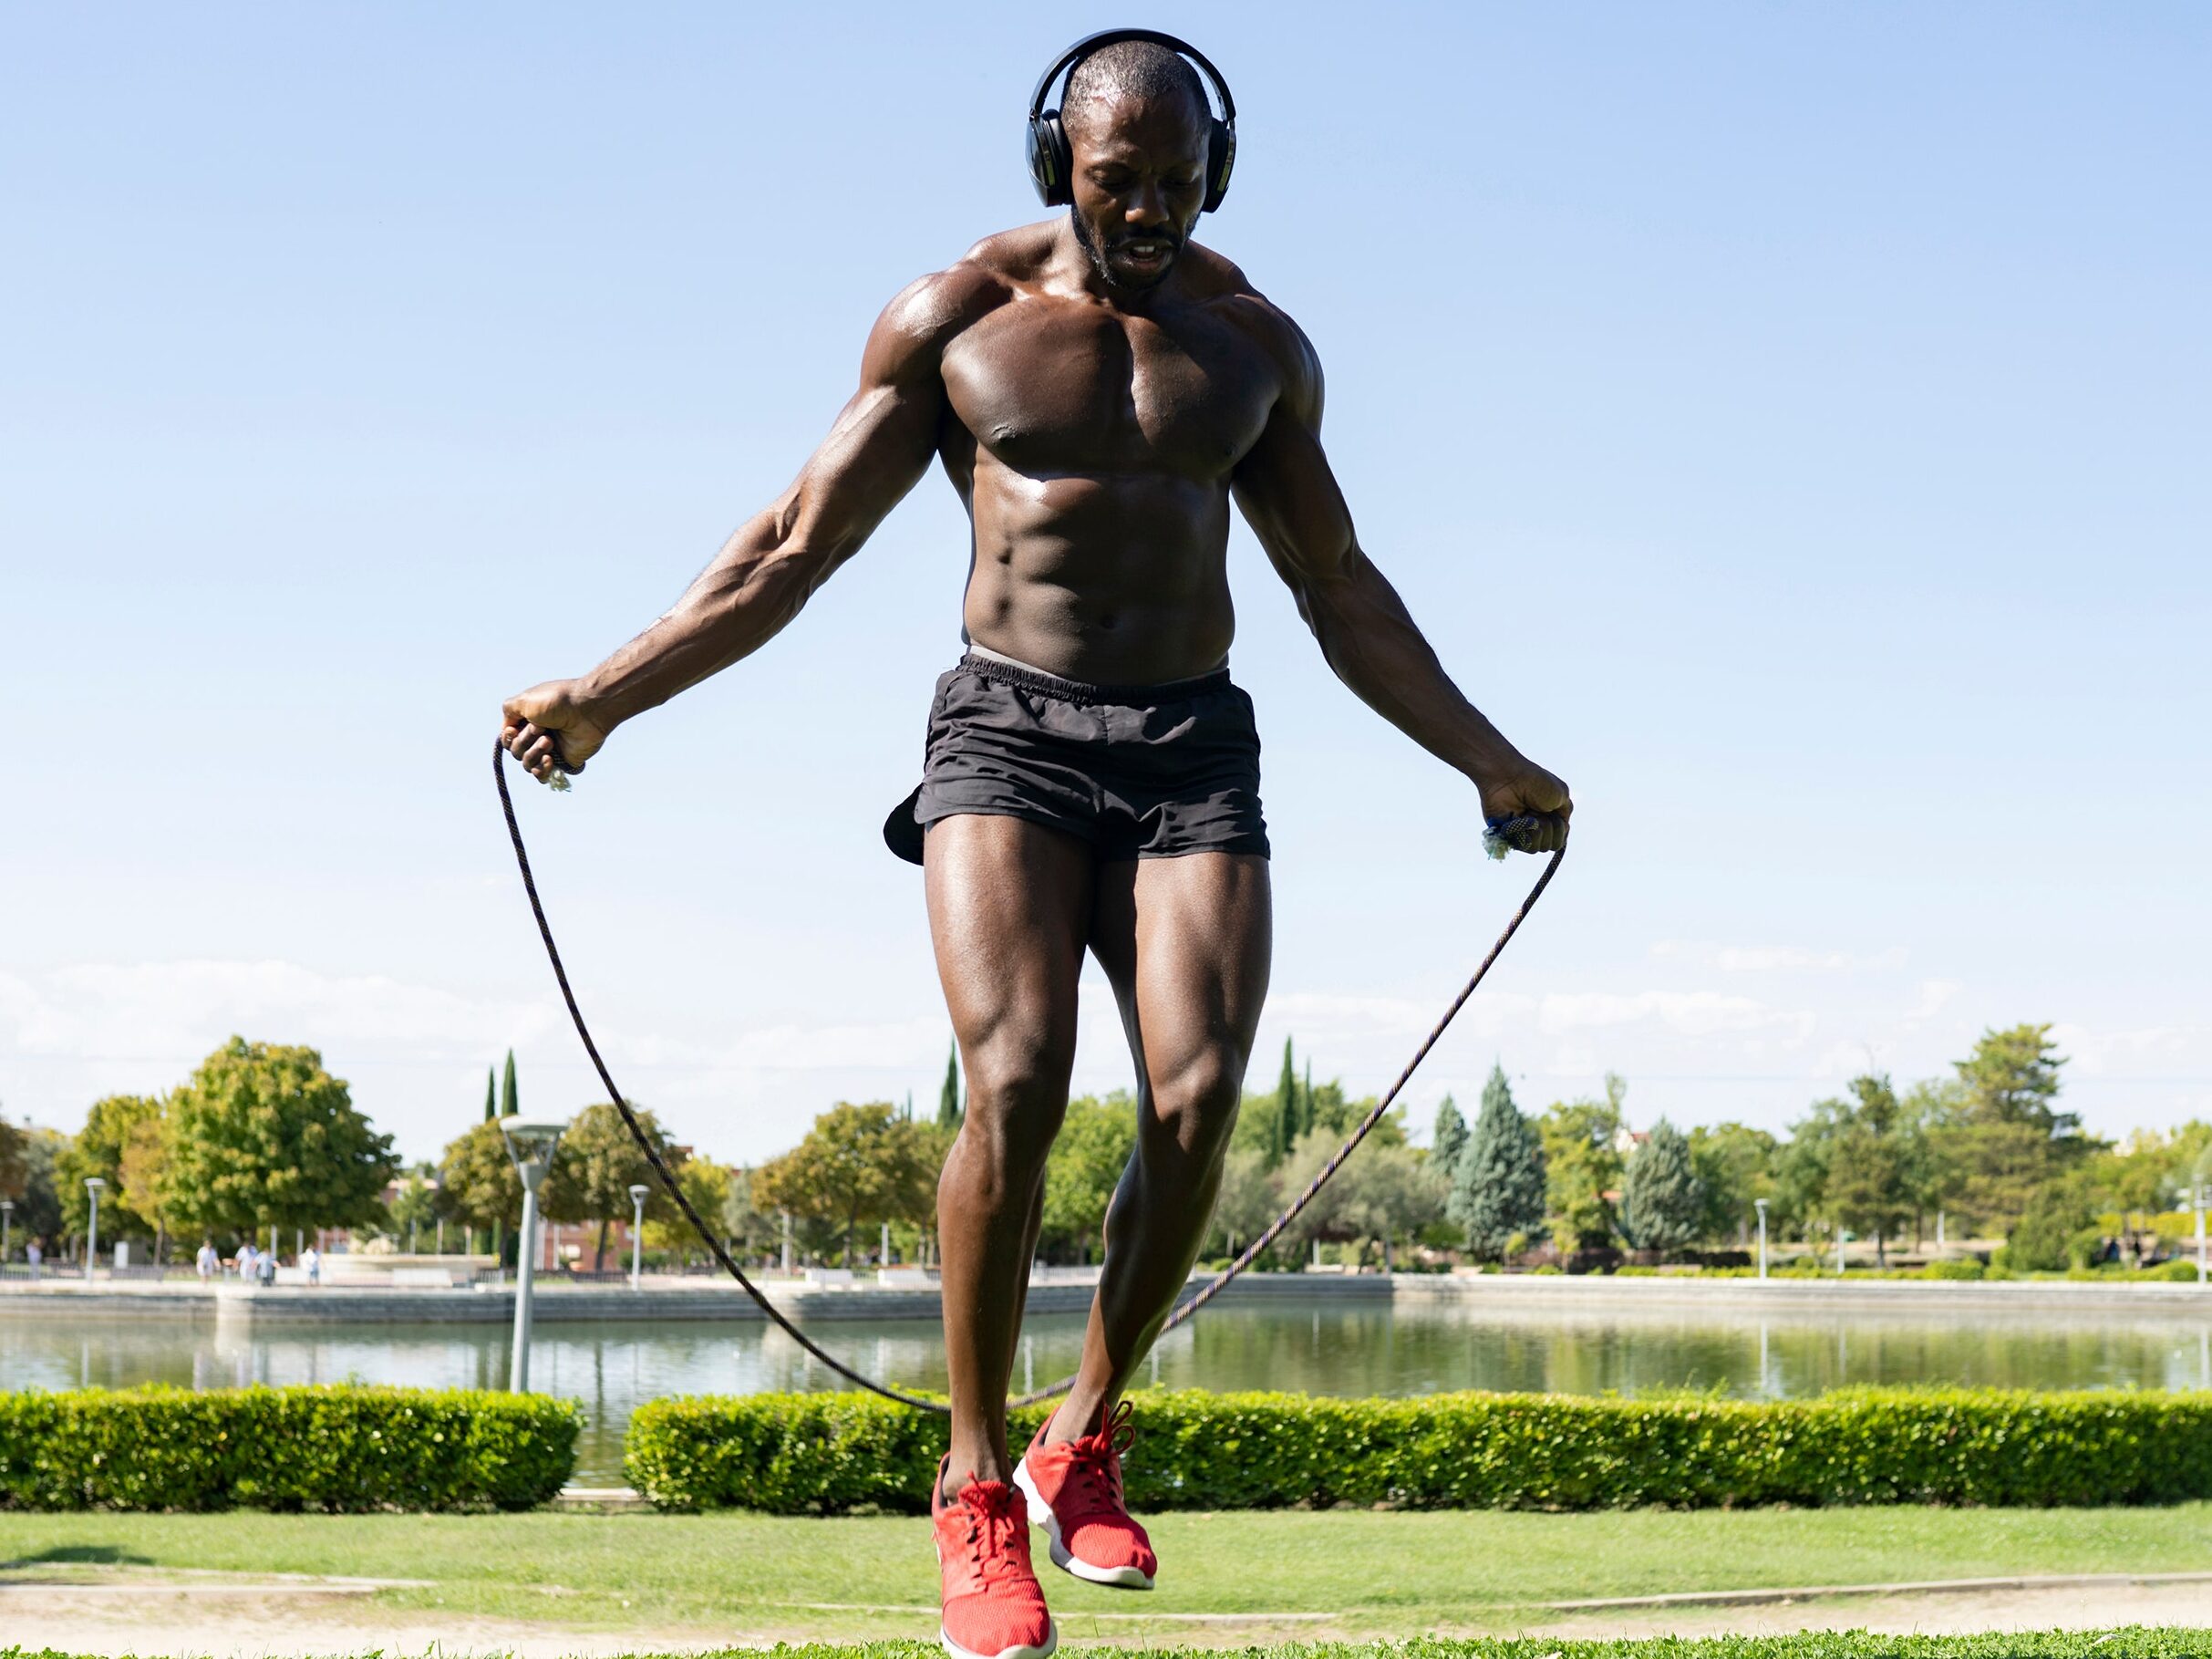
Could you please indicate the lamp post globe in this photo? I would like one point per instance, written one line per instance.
(639, 1190)
(531, 1143)
(94, 1185)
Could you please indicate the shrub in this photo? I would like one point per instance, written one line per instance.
(329, 1448)
(1955, 1267)
(2181, 1269)
(802, 1454)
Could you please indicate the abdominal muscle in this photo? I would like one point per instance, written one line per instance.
(1114, 580)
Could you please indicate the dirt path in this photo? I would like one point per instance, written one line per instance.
(285, 1621)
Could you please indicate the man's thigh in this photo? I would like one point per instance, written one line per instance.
(1187, 943)
(1009, 910)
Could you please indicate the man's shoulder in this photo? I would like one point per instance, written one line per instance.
(1221, 284)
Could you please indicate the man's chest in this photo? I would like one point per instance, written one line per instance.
(1052, 387)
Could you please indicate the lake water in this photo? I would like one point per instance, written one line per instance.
(1316, 1348)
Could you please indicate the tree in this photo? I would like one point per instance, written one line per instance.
(1096, 1139)
(39, 1211)
(2002, 1136)
(492, 1098)
(1287, 1127)
(14, 1160)
(1248, 1198)
(143, 1176)
(1869, 1178)
(858, 1165)
(2044, 1239)
(949, 1112)
(262, 1135)
(1581, 1166)
(723, 1197)
(1661, 1201)
(1392, 1191)
(511, 1099)
(1450, 1137)
(595, 1167)
(415, 1205)
(1497, 1185)
(97, 1149)
(1735, 1168)
(477, 1180)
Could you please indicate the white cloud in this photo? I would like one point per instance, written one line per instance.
(1776, 959)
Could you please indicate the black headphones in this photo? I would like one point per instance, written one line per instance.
(1050, 163)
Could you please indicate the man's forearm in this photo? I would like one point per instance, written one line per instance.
(1370, 641)
(757, 584)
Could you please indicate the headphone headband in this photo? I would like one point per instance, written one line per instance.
(1106, 38)
(1050, 160)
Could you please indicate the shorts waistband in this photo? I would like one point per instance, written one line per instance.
(1079, 691)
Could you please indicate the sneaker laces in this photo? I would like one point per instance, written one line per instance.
(997, 1536)
(1094, 1465)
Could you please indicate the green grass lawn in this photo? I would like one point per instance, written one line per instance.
(1376, 1575)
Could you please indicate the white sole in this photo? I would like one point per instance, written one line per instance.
(1016, 1652)
(1065, 1558)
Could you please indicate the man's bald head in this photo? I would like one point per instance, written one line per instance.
(1137, 71)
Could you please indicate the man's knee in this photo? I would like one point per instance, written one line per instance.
(1016, 1096)
(1193, 1107)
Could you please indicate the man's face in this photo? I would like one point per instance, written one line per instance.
(1139, 183)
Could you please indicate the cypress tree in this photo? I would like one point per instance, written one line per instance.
(510, 1100)
(491, 1107)
(1497, 1180)
(1450, 1137)
(1661, 1198)
(1285, 1107)
(948, 1098)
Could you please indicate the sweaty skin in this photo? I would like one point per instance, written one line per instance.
(1098, 388)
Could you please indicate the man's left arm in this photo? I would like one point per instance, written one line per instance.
(1288, 495)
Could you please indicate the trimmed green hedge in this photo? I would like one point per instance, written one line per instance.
(334, 1449)
(811, 1454)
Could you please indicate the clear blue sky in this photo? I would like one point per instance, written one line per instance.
(1790, 422)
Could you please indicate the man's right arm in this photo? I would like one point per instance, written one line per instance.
(877, 451)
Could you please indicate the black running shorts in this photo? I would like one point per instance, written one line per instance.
(1137, 772)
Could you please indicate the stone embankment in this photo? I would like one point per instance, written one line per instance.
(662, 1301)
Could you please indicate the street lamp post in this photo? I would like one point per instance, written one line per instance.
(95, 1186)
(638, 1234)
(531, 1145)
(1762, 1204)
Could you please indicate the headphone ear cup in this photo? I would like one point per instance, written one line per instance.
(1220, 160)
(1049, 161)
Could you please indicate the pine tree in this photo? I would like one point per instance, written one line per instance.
(491, 1097)
(1450, 1137)
(1661, 1198)
(1497, 1180)
(510, 1100)
(948, 1099)
(1286, 1109)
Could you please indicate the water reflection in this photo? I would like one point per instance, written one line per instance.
(1332, 1349)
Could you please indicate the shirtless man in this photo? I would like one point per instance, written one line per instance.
(1098, 387)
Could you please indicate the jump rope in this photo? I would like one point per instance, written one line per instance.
(1522, 834)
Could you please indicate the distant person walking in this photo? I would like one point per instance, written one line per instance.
(312, 1260)
(244, 1262)
(33, 1254)
(208, 1263)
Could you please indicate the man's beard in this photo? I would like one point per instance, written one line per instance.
(1106, 275)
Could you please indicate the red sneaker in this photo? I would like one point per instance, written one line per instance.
(1075, 1492)
(994, 1606)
